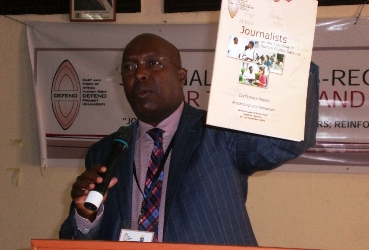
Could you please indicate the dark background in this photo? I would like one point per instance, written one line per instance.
(195, 5)
(16, 7)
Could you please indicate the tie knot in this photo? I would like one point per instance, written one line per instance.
(156, 134)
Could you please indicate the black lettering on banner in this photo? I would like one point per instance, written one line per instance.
(129, 120)
(94, 95)
(351, 124)
(341, 77)
(203, 81)
(324, 124)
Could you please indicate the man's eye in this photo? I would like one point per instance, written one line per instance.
(128, 67)
(154, 63)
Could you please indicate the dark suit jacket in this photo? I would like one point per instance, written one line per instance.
(207, 182)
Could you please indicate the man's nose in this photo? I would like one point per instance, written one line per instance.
(142, 73)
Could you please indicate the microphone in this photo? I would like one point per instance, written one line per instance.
(119, 144)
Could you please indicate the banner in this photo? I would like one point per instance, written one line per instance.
(79, 97)
(78, 89)
(341, 51)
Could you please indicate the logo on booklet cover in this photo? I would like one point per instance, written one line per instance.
(233, 7)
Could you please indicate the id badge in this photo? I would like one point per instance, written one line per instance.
(136, 235)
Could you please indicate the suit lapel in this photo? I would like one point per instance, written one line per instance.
(187, 138)
(125, 174)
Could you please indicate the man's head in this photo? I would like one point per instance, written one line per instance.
(251, 44)
(235, 40)
(250, 69)
(153, 77)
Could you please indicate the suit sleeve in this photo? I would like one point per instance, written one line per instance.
(256, 153)
(69, 229)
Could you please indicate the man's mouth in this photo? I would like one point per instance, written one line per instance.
(142, 93)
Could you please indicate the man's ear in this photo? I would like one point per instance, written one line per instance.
(182, 76)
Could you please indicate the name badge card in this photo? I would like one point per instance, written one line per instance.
(135, 235)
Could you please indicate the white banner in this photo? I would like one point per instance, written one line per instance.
(80, 99)
(341, 49)
(78, 90)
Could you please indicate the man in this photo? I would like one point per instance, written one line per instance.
(278, 67)
(248, 54)
(250, 76)
(234, 49)
(204, 185)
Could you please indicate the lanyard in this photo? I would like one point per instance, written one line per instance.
(157, 174)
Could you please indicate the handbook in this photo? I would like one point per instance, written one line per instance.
(261, 66)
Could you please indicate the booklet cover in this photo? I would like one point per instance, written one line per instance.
(261, 66)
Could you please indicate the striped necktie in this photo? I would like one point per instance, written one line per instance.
(149, 216)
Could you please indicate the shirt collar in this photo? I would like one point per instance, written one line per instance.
(169, 125)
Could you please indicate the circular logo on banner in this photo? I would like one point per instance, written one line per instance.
(66, 95)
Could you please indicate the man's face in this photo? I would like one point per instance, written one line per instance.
(153, 93)
(235, 40)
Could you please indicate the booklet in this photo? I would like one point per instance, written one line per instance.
(261, 66)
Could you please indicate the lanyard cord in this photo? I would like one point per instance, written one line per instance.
(157, 174)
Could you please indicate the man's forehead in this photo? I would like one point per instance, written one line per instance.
(146, 51)
(148, 47)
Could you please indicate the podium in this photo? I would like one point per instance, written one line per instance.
(115, 245)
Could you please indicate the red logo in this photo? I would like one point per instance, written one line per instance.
(66, 94)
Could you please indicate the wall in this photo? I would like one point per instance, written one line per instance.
(287, 209)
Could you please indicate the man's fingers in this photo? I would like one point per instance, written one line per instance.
(87, 180)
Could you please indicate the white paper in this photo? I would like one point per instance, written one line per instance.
(274, 103)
